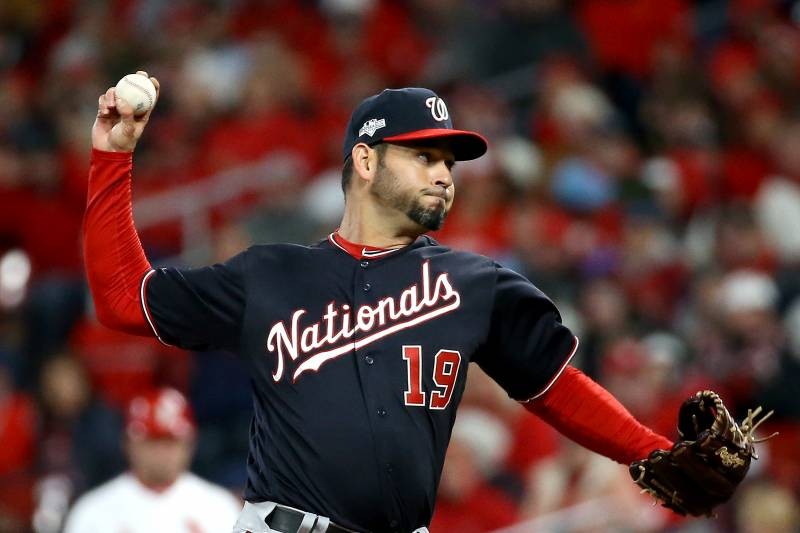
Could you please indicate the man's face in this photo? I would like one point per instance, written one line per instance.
(417, 181)
(159, 461)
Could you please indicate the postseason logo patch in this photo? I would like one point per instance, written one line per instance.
(371, 126)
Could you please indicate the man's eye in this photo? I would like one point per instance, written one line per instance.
(424, 157)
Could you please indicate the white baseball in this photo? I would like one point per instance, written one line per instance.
(138, 91)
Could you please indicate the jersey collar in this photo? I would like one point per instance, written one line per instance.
(159, 488)
(360, 251)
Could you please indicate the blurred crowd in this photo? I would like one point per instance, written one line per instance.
(644, 171)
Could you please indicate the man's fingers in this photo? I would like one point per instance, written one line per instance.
(153, 80)
(106, 108)
(146, 116)
(111, 97)
(102, 108)
(117, 118)
(125, 110)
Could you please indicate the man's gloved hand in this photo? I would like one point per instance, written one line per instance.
(711, 458)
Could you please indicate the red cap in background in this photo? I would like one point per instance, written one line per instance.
(161, 413)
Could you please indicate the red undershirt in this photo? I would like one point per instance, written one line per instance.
(360, 251)
(116, 263)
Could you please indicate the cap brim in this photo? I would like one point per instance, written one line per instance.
(466, 145)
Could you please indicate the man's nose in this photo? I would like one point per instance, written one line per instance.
(442, 175)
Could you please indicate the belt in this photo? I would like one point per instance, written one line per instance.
(286, 520)
(266, 517)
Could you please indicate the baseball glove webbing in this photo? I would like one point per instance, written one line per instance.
(709, 461)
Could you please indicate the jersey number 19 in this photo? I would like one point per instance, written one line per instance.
(445, 373)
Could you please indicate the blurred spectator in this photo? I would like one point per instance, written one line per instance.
(221, 396)
(782, 465)
(570, 108)
(525, 438)
(623, 38)
(652, 273)
(544, 241)
(269, 117)
(51, 311)
(78, 441)
(576, 475)
(137, 364)
(157, 493)
(582, 186)
(15, 273)
(792, 326)
(452, 25)
(606, 318)
(745, 346)
(480, 220)
(518, 33)
(778, 201)
(521, 161)
(765, 506)
(648, 377)
(322, 202)
(466, 502)
(739, 242)
(18, 420)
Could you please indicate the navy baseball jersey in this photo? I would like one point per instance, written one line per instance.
(358, 365)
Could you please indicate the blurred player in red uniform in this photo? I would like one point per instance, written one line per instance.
(157, 493)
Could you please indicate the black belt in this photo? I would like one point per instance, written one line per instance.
(288, 521)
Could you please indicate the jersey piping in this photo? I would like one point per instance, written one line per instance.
(556, 375)
(145, 309)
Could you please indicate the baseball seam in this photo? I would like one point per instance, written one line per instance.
(143, 89)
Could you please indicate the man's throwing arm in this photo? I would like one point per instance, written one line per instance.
(192, 308)
(114, 259)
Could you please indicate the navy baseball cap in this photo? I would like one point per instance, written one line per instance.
(407, 115)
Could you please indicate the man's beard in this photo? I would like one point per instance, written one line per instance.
(430, 218)
(386, 187)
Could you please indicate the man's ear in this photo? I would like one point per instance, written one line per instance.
(365, 162)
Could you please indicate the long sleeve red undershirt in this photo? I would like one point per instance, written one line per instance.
(588, 414)
(116, 263)
(114, 258)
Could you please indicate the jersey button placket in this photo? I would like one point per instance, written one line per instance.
(361, 296)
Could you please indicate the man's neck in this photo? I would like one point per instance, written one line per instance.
(379, 230)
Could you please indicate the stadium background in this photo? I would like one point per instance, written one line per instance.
(644, 171)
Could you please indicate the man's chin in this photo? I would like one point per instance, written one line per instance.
(429, 219)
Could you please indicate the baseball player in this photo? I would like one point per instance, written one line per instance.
(358, 345)
(157, 493)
